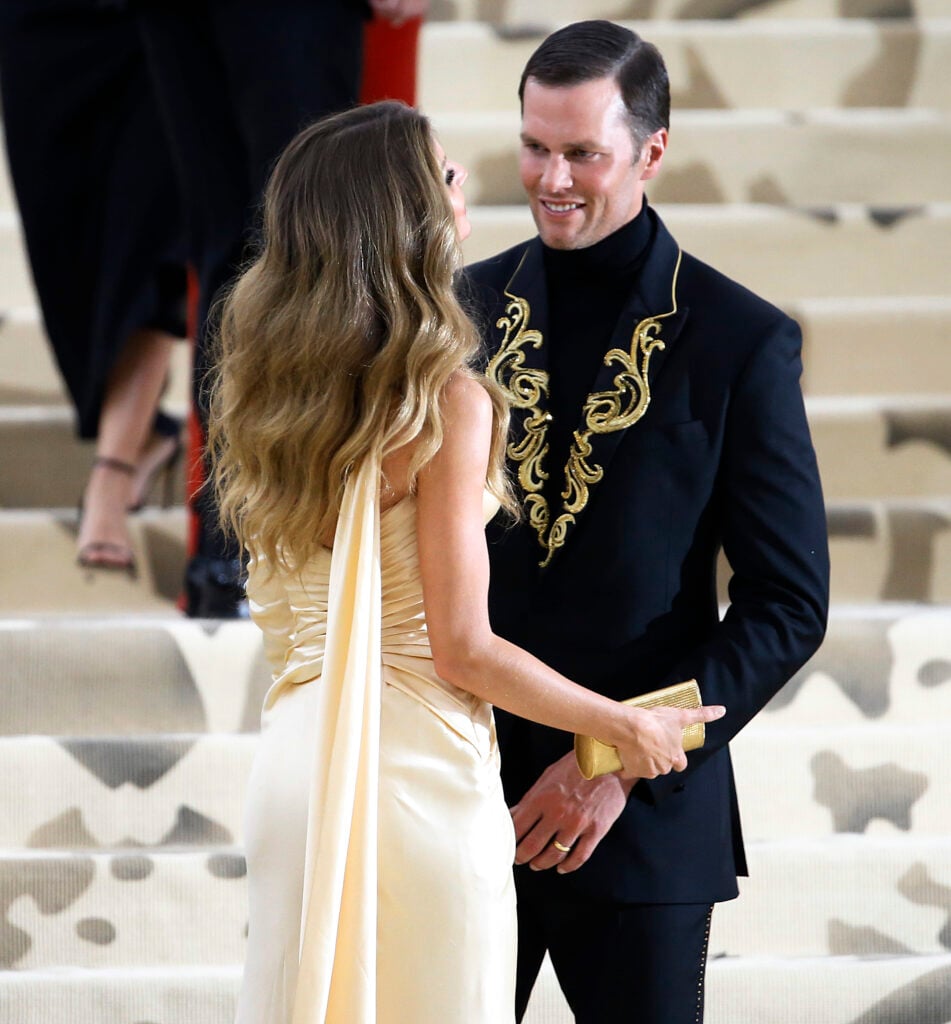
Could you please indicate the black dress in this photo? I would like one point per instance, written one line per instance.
(94, 184)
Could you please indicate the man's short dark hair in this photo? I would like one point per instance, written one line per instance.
(587, 50)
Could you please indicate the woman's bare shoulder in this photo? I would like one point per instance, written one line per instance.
(467, 402)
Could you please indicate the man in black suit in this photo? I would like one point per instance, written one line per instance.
(657, 418)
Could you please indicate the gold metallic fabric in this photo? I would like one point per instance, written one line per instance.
(596, 758)
(605, 412)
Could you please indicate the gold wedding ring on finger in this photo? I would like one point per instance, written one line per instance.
(560, 846)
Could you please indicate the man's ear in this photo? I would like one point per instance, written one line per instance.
(652, 154)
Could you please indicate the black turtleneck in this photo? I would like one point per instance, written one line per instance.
(587, 289)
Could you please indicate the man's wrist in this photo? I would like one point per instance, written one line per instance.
(627, 785)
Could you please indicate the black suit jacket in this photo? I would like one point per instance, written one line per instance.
(699, 441)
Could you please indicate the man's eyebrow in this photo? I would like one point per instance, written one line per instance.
(589, 144)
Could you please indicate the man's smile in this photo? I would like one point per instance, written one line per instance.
(560, 207)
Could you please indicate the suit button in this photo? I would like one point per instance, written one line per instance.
(679, 788)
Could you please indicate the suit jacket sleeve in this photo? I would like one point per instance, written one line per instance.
(774, 536)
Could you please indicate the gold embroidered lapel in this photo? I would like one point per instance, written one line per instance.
(525, 387)
(604, 412)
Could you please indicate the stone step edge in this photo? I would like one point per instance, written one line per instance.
(839, 117)
(821, 305)
(762, 730)
(92, 975)
(838, 611)
(816, 405)
(713, 27)
(139, 973)
(100, 853)
(734, 214)
(728, 212)
(837, 844)
(933, 503)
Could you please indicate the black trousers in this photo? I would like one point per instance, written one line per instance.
(235, 81)
(616, 963)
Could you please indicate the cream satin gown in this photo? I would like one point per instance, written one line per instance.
(379, 843)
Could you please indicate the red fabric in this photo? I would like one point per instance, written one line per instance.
(389, 61)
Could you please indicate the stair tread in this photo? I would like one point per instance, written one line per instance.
(819, 62)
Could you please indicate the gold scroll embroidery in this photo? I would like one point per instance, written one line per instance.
(524, 387)
(604, 412)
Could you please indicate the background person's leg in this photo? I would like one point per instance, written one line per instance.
(237, 80)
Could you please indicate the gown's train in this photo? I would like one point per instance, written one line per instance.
(378, 840)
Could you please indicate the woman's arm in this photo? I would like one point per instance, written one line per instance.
(454, 565)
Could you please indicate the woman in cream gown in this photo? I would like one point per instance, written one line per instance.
(358, 459)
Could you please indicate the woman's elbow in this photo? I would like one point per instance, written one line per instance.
(461, 660)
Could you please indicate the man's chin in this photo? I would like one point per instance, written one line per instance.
(555, 238)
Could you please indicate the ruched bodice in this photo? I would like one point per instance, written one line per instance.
(375, 809)
(291, 609)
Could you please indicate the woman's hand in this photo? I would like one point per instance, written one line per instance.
(654, 742)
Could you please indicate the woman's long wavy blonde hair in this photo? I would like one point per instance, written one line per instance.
(341, 336)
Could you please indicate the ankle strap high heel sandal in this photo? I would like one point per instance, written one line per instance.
(118, 557)
(165, 468)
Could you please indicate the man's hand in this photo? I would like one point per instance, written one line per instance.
(563, 807)
(398, 11)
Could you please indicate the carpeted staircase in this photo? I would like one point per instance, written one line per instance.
(810, 158)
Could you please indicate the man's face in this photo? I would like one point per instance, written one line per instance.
(578, 163)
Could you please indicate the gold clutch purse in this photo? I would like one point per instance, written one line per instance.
(596, 758)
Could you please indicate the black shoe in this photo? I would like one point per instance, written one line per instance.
(214, 589)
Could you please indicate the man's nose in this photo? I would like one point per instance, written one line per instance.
(556, 175)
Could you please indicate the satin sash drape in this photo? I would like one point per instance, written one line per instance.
(340, 883)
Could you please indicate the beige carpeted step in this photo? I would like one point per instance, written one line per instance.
(867, 448)
(168, 791)
(130, 676)
(786, 254)
(875, 346)
(742, 156)
(152, 791)
(45, 465)
(177, 677)
(878, 663)
(891, 551)
(729, 64)
(881, 551)
(7, 200)
(843, 990)
(16, 284)
(845, 896)
(761, 990)
(28, 371)
(851, 346)
(893, 447)
(827, 990)
(145, 995)
(99, 910)
(173, 676)
(41, 575)
(519, 14)
(856, 742)
(881, 780)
